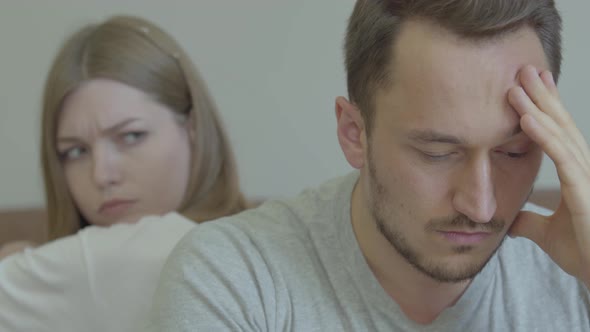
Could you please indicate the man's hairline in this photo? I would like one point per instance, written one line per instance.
(388, 83)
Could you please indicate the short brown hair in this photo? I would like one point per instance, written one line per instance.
(374, 26)
(136, 52)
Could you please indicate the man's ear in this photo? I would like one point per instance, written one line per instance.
(351, 132)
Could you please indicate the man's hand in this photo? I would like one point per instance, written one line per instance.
(564, 236)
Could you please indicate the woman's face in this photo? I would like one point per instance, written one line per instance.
(124, 155)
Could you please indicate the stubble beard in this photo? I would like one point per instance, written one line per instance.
(380, 199)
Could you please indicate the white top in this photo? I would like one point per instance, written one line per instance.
(101, 279)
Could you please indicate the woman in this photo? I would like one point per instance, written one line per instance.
(128, 131)
(137, 55)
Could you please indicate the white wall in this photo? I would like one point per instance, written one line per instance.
(274, 67)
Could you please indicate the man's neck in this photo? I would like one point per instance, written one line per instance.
(420, 297)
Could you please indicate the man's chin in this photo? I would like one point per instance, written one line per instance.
(464, 264)
(454, 272)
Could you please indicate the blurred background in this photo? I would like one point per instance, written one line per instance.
(273, 66)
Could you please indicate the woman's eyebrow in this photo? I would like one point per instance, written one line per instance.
(112, 129)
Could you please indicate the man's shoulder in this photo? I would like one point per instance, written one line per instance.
(272, 221)
(276, 220)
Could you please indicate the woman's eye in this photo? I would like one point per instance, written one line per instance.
(72, 153)
(132, 137)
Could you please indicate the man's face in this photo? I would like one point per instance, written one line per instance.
(447, 168)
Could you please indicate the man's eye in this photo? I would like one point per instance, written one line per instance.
(512, 155)
(437, 157)
(515, 155)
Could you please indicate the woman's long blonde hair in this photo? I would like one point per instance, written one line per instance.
(136, 52)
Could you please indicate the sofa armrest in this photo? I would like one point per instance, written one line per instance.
(23, 225)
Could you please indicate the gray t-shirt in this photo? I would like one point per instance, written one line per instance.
(296, 266)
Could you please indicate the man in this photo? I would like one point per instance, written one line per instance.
(452, 104)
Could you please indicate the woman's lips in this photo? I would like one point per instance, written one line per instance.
(115, 207)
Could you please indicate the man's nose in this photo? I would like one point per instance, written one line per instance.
(475, 192)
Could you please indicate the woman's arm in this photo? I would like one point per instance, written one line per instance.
(101, 279)
(15, 247)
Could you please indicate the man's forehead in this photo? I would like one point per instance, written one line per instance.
(428, 61)
(423, 45)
